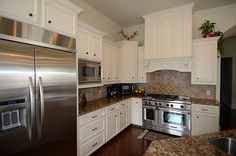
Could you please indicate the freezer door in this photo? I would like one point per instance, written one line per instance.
(56, 101)
(17, 103)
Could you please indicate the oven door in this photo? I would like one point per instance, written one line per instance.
(150, 117)
(89, 72)
(175, 122)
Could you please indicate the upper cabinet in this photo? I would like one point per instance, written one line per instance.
(59, 15)
(168, 34)
(89, 42)
(128, 61)
(204, 61)
(110, 59)
(55, 15)
(21, 10)
(142, 75)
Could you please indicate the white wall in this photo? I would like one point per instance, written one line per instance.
(224, 17)
(230, 51)
(96, 19)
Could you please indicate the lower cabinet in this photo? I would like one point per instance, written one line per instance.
(205, 119)
(136, 111)
(111, 125)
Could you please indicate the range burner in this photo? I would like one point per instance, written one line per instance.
(169, 98)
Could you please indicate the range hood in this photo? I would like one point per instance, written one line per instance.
(182, 64)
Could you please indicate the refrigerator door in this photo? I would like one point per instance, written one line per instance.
(17, 103)
(56, 101)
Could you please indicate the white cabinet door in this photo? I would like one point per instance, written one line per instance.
(204, 123)
(142, 75)
(21, 10)
(123, 118)
(136, 111)
(111, 125)
(204, 61)
(83, 44)
(59, 17)
(96, 46)
(128, 61)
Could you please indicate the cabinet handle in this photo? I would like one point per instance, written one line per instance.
(123, 104)
(94, 116)
(94, 54)
(94, 129)
(95, 144)
(30, 14)
(112, 109)
(104, 78)
(87, 53)
(49, 21)
(204, 109)
(120, 113)
(173, 127)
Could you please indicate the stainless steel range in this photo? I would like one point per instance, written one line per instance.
(167, 113)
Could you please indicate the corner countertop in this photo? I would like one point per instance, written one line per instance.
(190, 145)
(208, 102)
(102, 102)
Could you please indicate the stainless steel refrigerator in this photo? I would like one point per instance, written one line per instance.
(37, 91)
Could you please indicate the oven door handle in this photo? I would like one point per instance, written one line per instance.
(151, 107)
(174, 111)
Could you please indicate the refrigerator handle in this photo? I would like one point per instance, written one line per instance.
(31, 106)
(41, 93)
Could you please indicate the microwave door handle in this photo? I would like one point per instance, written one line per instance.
(31, 106)
(41, 98)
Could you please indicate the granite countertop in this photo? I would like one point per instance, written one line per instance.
(186, 146)
(205, 102)
(101, 103)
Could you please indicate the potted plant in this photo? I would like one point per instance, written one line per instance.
(208, 29)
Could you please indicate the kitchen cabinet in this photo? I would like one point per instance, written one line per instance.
(110, 59)
(142, 75)
(204, 61)
(112, 125)
(89, 42)
(59, 16)
(23, 10)
(55, 15)
(123, 118)
(136, 111)
(128, 61)
(168, 33)
(205, 119)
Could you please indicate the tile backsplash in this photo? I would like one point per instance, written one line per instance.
(176, 83)
(94, 93)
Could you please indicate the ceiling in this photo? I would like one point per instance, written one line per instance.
(129, 12)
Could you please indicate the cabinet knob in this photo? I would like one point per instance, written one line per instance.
(120, 113)
(108, 78)
(115, 115)
(30, 14)
(104, 78)
(197, 116)
(94, 54)
(132, 77)
(116, 77)
(197, 78)
(49, 21)
(87, 53)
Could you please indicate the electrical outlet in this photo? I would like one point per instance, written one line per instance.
(208, 92)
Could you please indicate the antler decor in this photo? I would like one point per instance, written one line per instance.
(128, 36)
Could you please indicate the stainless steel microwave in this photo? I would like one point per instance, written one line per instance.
(89, 72)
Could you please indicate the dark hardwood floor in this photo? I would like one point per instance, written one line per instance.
(125, 143)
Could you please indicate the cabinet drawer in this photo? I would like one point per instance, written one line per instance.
(88, 131)
(93, 144)
(122, 104)
(91, 116)
(111, 109)
(205, 109)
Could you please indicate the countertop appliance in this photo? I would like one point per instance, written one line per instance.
(127, 89)
(113, 91)
(167, 113)
(38, 91)
(89, 72)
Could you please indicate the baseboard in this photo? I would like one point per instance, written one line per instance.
(136, 126)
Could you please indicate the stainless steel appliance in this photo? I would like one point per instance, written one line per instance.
(89, 72)
(127, 89)
(174, 114)
(113, 91)
(38, 91)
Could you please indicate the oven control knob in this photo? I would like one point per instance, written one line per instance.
(156, 103)
(182, 106)
(160, 104)
(146, 102)
(167, 105)
(171, 105)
